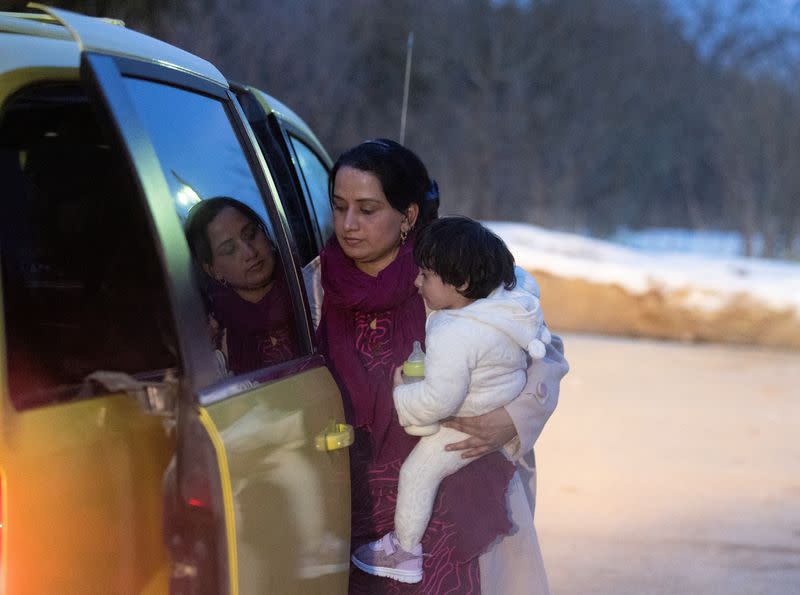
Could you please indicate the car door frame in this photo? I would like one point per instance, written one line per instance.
(288, 130)
(274, 143)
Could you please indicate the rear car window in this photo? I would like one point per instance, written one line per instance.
(82, 284)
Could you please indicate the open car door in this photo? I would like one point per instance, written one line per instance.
(257, 497)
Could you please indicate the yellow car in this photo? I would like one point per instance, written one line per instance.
(131, 461)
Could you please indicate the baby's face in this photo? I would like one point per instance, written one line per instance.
(437, 294)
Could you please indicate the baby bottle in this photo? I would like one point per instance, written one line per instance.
(414, 366)
(414, 371)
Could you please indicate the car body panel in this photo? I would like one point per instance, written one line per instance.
(35, 25)
(22, 51)
(26, 60)
(98, 35)
(79, 504)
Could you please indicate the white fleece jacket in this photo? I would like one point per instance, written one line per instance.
(475, 358)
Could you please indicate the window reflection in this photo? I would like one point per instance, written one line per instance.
(248, 300)
(198, 149)
(251, 321)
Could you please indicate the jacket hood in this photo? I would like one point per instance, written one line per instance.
(526, 281)
(515, 312)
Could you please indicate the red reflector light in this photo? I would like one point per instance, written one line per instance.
(196, 503)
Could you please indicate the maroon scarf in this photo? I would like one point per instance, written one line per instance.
(367, 329)
(258, 334)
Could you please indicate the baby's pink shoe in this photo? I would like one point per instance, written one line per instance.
(385, 557)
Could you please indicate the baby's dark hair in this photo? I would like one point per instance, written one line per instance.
(461, 250)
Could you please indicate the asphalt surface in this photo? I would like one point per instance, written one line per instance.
(672, 468)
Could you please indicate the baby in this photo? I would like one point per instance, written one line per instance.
(478, 339)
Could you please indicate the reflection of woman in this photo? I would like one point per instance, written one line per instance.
(371, 314)
(247, 291)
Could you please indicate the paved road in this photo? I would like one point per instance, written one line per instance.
(671, 468)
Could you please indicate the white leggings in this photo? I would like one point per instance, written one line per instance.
(422, 472)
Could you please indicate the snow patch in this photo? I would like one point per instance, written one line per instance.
(705, 282)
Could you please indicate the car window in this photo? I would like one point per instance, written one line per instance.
(313, 170)
(83, 290)
(204, 162)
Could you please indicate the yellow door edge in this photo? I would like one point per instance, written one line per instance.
(227, 498)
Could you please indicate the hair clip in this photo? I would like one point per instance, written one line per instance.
(380, 142)
(433, 192)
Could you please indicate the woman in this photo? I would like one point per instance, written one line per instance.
(246, 291)
(371, 314)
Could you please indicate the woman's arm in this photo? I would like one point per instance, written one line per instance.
(521, 421)
(531, 410)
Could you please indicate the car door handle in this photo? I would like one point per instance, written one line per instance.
(335, 436)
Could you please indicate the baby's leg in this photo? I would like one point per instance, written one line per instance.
(422, 472)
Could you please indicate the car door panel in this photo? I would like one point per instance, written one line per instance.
(280, 468)
(263, 426)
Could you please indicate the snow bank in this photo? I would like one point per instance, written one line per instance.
(706, 288)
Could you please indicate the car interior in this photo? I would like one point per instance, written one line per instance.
(82, 284)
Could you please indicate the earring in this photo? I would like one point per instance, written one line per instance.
(222, 281)
(403, 236)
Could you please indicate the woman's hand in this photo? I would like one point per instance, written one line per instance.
(398, 376)
(488, 432)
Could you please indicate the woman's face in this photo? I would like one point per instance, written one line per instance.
(241, 254)
(367, 226)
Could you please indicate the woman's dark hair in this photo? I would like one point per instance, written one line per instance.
(461, 250)
(202, 214)
(401, 173)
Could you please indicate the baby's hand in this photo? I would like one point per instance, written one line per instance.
(398, 376)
